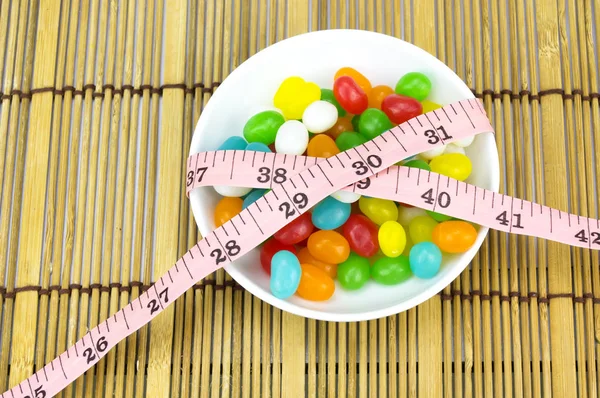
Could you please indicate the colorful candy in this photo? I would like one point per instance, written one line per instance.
(358, 77)
(330, 213)
(400, 108)
(315, 284)
(285, 274)
(454, 236)
(378, 210)
(377, 95)
(407, 214)
(415, 85)
(319, 116)
(421, 229)
(451, 148)
(346, 196)
(234, 192)
(296, 231)
(252, 197)
(328, 246)
(418, 164)
(342, 124)
(392, 238)
(349, 140)
(429, 106)
(234, 143)
(373, 122)
(361, 234)
(268, 250)
(438, 216)
(350, 96)
(322, 146)
(294, 95)
(391, 271)
(263, 127)
(354, 272)
(327, 95)
(257, 147)
(292, 138)
(306, 258)
(226, 209)
(425, 260)
(453, 165)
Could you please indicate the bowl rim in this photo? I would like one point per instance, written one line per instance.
(285, 305)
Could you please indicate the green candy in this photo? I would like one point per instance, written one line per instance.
(415, 85)
(327, 95)
(263, 127)
(348, 140)
(355, 120)
(354, 272)
(391, 270)
(373, 122)
(418, 164)
(438, 217)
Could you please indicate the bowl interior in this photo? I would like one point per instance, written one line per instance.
(316, 57)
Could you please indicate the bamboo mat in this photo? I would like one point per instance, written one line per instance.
(98, 103)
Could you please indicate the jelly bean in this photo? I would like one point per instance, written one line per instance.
(358, 77)
(438, 216)
(350, 96)
(400, 108)
(415, 85)
(451, 148)
(377, 94)
(454, 236)
(292, 138)
(355, 122)
(322, 146)
(392, 238)
(378, 210)
(319, 116)
(346, 196)
(373, 122)
(328, 246)
(315, 284)
(285, 274)
(361, 234)
(421, 229)
(354, 272)
(327, 95)
(349, 140)
(418, 164)
(330, 213)
(226, 209)
(429, 106)
(253, 196)
(268, 250)
(391, 271)
(294, 95)
(234, 142)
(232, 192)
(258, 147)
(306, 258)
(296, 231)
(342, 124)
(409, 245)
(425, 260)
(464, 142)
(263, 127)
(453, 165)
(407, 214)
(433, 152)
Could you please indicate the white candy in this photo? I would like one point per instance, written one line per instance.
(465, 142)
(430, 154)
(451, 148)
(406, 214)
(319, 116)
(346, 196)
(232, 192)
(292, 138)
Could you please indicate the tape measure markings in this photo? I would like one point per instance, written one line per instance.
(262, 219)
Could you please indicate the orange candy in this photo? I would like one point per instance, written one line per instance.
(377, 95)
(454, 236)
(358, 77)
(305, 257)
(342, 124)
(315, 284)
(322, 146)
(226, 209)
(328, 246)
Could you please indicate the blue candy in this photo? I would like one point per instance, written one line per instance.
(285, 274)
(330, 213)
(425, 260)
(252, 197)
(258, 147)
(234, 143)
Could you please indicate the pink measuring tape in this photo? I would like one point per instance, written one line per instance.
(297, 183)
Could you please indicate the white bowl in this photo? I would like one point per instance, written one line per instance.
(316, 57)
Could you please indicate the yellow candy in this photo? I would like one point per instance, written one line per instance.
(421, 228)
(392, 238)
(429, 106)
(294, 95)
(378, 210)
(453, 165)
(408, 246)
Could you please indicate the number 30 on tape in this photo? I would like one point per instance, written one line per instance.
(296, 184)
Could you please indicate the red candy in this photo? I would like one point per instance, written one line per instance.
(268, 250)
(361, 233)
(350, 96)
(296, 231)
(400, 108)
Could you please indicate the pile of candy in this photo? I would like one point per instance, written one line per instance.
(348, 237)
